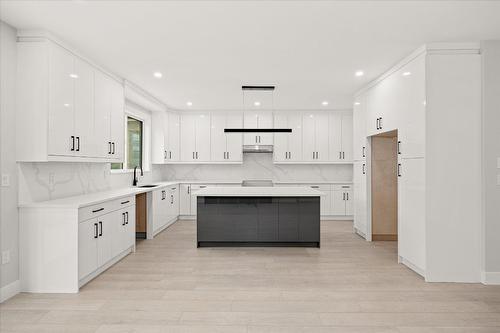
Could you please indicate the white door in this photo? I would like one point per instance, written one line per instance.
(308, 137)
(411, 211)
(250, 120)
(62, 78)
(347, 137)
(265, 121)
(234, 141)
(84, 109)
(102, 115)
(322, 148)
(188, 137)
(338, 202)
(280, 153)
(335, 135)
(117, 131)
(203, 137)
(106, 230)
(173, 147)
(87, 247)
(218, 137)
(185, 199)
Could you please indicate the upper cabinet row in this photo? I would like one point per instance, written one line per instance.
(68, 110)
(316, 137)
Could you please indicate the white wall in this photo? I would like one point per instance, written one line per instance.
(491, 158)
(258, 166)
(8, 195)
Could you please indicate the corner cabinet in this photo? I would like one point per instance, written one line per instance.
(67, 110)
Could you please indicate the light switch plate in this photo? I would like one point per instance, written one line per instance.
(5, 180)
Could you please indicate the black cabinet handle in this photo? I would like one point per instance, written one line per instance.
(171, 199)
(109, 147)
(193, 155)
(170, 155)
(203, 186)
(98, 210)
(77, 143)
(126, 217)
(364, 148)
(113, 144)
(314, 186)
(380, 123)
(164, 154)
(363, 168)
(100, 225)
(189, 189)
(399, 147)
(399, 169)
(340, 155)
(228, 156)
(95, 230)
(125, 202)
(72, 143)
(343, 196)
(343, 155)
(224, 155)
(196, 155)
(123, 218)
(347, 196)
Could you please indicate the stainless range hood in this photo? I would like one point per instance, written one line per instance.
(257, 148)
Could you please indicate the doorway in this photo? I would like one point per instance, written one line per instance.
(384, 186)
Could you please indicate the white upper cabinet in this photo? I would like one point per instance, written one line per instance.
(359, 128)
(382, 105)
(288, 146)
(165, 137)
(315, 144)
(340, 134)
(172, 137)
(195, 137)
(81, 107)
(259, 120)
(226, 147)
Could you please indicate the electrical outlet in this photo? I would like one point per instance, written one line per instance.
(5, 180)
(5, 257)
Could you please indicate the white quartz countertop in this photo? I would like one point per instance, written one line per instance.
(289, 191)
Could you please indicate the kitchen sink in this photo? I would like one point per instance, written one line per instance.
(151, 185)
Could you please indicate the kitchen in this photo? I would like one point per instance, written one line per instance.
(154, 191)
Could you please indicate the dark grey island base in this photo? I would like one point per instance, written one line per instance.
(258, 221)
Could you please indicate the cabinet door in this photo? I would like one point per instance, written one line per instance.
(359, 128)
(347, 153)
(308, 137)
(335, 136)
(251, 120)
(173, 148)
(265, 120)
(175, 202)
(203, 137)
(117, 131)
(188, 137)
(218, 137)
(185, 199)
(326, 199)
(280, 153)
(129, 235)
(360, 197)
(87, 247)
(338, 202)
(106, 230)
(159, 137)
(159, 208)
(62, 78)
(118, 238)
(84, 109)
(349, 202)
(102, 114)
(194, 203)
(295, 138)
(234, 141)
(322, 149)
(411, 211)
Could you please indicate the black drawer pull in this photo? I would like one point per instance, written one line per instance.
(125, 202)
(97, 210)
(314, 186)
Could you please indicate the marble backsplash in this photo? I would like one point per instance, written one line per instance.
(53, 180)
(258, 166)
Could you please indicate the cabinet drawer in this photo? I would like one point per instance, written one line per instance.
(123, 202)
(93, 211)
(342, 187)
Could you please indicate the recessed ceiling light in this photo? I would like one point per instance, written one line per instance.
(324, 103)
(406, 73)
(73, 76)
(189, 103)
(66, 105)
(256, 103)
(157, 75)
(357, 103)
(359, 73)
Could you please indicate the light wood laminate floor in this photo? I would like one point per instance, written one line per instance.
(348, 285)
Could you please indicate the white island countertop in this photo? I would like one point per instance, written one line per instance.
(289, 191)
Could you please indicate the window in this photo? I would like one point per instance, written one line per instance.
(133, 145)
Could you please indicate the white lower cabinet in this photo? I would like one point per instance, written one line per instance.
(342, 200)
(195, 188)
(165, 208)
(87, 247)
(360, 197)
(325, 200)
(185, 199)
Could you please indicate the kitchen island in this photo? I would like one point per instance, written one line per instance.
(258, 216)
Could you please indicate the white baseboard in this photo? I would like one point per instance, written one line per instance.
(492, 278)
(360, 233)
(411, 266)
(336, 217)
(10, 290)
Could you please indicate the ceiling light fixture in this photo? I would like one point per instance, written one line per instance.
(256, 103)
(157, 75)
(324, 103)
(357, 103)
(189, 103)
(359, 73)
(406, 73)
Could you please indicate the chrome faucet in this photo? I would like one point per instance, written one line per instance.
(134, 183)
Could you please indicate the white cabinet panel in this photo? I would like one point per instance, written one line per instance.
(309, 137)
(194, 203)
(335, 135)
(360, 197)
(160, 208)
(411, 211)
(349, 203)
(347, 137)
(325, 200)
(280, 152)
(84, 109)
(188, 137)
(62, 78)
(342, 200)
(250, 120)
(288, 146)
(226, 147)
(359, 128)
(102, 116)
(338, 203)
(315, 144)
(203, 137)
(234, 141)
(185, 199)
(265, 121)
(87, 247)
(106, 230)
(321, 134)
(173, 135)
(218, 137)
(260, 120)
(295, 138)
(117, 131)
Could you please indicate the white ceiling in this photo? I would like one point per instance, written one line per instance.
(207, 49)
